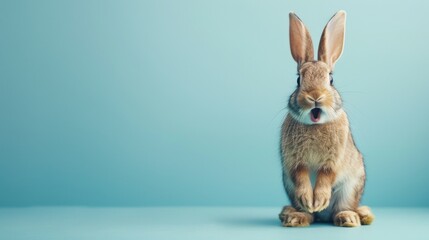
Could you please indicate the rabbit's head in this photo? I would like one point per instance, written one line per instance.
(316, 101)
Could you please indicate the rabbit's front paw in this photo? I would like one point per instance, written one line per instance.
(322, 196)
(305, 199)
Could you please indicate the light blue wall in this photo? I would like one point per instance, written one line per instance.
(130, 103)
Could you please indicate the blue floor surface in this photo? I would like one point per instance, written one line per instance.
(196, 223)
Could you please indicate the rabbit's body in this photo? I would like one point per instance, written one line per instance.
(311, 146)
(316, 141)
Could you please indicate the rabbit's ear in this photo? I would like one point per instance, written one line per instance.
(332, 41)
(301, 45)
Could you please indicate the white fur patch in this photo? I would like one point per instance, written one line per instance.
(344, 192)
(326, 115)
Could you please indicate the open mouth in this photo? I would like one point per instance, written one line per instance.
(315, 114)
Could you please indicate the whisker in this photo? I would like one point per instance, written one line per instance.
(277, 114)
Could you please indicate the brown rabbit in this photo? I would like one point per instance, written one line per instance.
(316, 142)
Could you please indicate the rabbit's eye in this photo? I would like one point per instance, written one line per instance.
(331, 79)
(298, 80)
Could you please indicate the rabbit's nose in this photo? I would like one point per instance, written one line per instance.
(317, 101)
(320, 98)
(317, 104)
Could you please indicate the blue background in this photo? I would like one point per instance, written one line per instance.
(143, 103)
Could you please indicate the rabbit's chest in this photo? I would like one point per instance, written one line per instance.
(314, 152)
(317, 147)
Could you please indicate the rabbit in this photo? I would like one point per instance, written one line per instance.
(323, 171)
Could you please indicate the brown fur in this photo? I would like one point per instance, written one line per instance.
(300, 40)
(325, 149)
(301, 179)
(290, 217)
(331, 42)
